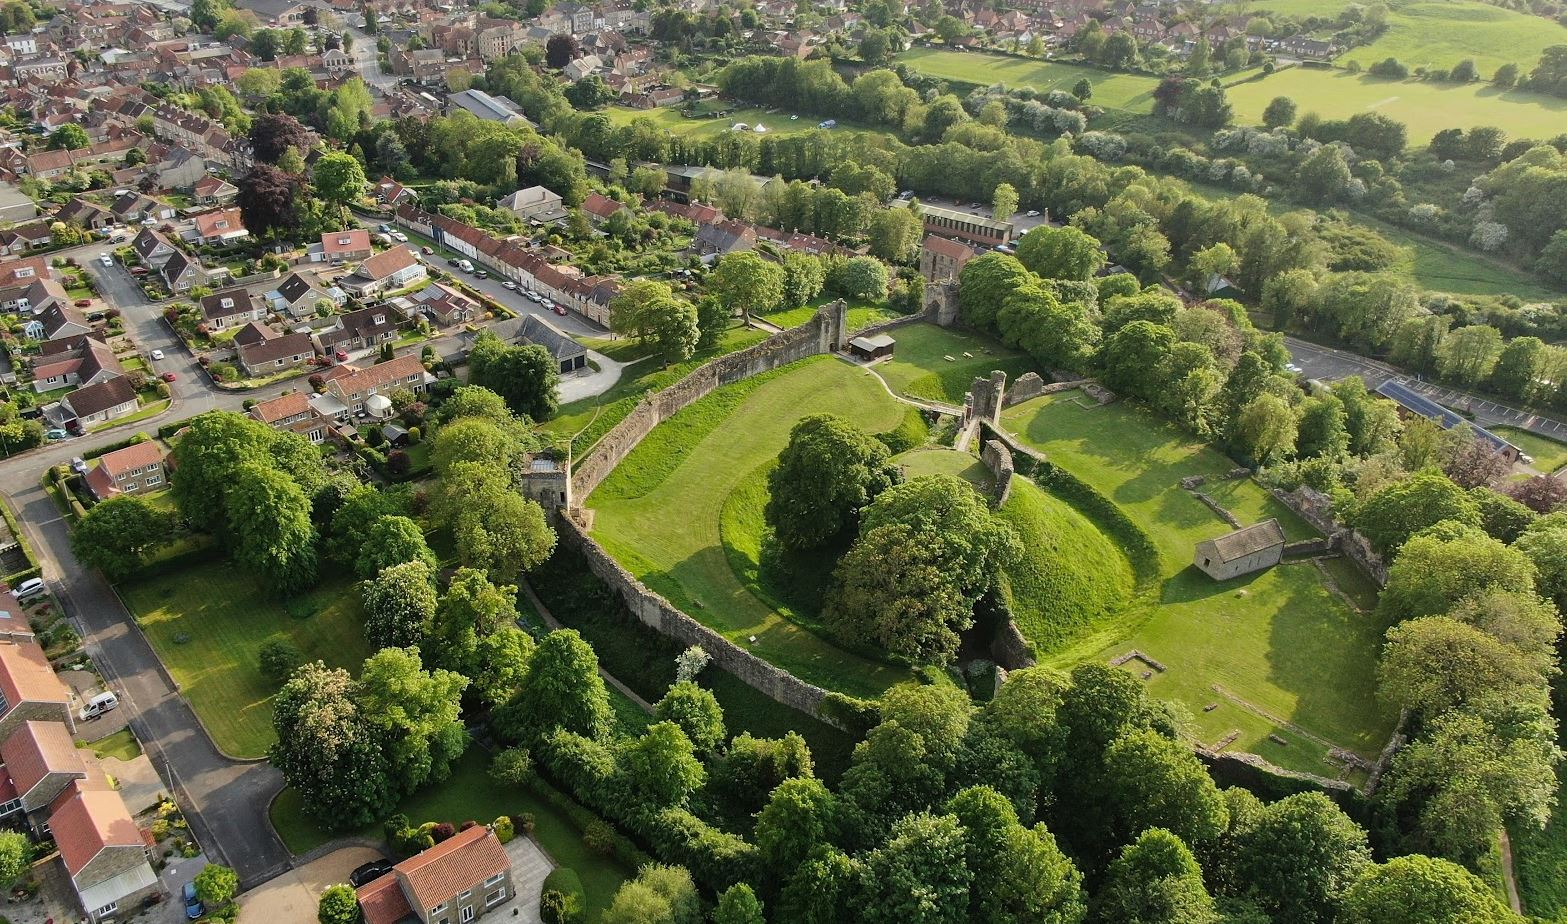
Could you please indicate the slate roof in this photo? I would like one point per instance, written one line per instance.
(1243, 542)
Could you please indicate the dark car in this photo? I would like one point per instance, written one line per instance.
(452, 261)
(369, 872)
(193, 906)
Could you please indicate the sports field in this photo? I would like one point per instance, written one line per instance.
(1275, 653)
(659, 512)
(208, 623)
(1131, 92)
(1439, 35)
(1424, 107)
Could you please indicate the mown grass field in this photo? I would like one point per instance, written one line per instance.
(1425, 108)
(208, 623)
(1130, 92)
(470, 794)
(670, 119)
(1549, 455)
(1440, 34)
(920, 367)
(862, 314)
(659, 512)
(1276, 644)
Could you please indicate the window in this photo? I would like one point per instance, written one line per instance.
(107, 910)
(6, 808)
(437, 909)
(494, 880)
(4, 706)
(467, 914)
(466, 894)
(495, 898)
(154, 479)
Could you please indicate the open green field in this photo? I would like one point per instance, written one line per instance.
(1424, 107)
(670, 118)
(1268, 649)
(1131, 92)
(862, 314)
(920, 366)
(1440, 34)
(922, 462)
(1549, 455)
(659, 512)
(207, 623)
(470, 794)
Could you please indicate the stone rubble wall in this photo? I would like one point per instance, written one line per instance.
(998, 459)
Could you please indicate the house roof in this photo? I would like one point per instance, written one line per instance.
(135, 456)
(286, 346)
(221, 222)
(100, 397)
(379, 375)
(386, 263)
(382, 902)
(335, 242)
(538, 331)
(37, 749)
(178, 265)
(23, 272)
(85, 821)
(282, 407)
(253, 333)
(148, 242)
(1243, 542)
(458, 863)
(213, 306)
(600, 205)
(947, 247)
(25, 675)
(294, 288)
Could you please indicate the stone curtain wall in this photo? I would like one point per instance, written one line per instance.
(826, 332)
(1316, 508)
(663, 617)
(998, 459)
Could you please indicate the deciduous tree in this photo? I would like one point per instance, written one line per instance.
(747, 283)
(116, 534)
(399, 604)
(393, 540)
(1060, 253)
(1156, 880)
(562, 689)
(829, 471)
(268, 527)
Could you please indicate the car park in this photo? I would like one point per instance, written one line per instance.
(157, 354)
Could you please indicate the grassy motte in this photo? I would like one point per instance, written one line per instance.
(208, 622)
(658, 513)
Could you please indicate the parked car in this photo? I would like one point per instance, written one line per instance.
(138, 271)
(1291, 367)
(548, 305)
(169, 376)
(193, 906)
(399, 237)
(509, 286)
(106, 260)
(453, 261)
(1033, 213)
(427, 250)
(480, 274)
(157, 354)
(535, 297)
(384, 228)
(82, 302)
(28, 588)
(56, 435)
(560, 310)
(79, 465)
(341, 355)
(465, 266)
(369, 872)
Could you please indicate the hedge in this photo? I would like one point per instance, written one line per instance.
(33, 568)
(624, 851)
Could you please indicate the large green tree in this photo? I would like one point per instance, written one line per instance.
(417, 714)
(562, 689)
(1156, 880)
(116, 535)
(1020, 875)
(503, 534)
(269, 527)
(393, 540)
(527, 377)
(984, 284)
(399, 604)
(328, 752)
(746, 283)
(919, 876)
(1394, 513)
(1422, 890)
(828, 473)
(1060, 253)
(215, 444)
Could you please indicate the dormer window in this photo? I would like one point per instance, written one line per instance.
(378, 319)
(222, 223)
(227, 303)
(342, 242)
(24, 272)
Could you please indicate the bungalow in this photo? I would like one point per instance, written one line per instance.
(337, 247)
(213, 190)
(459, 879)
(19, 283)
(275, 354)
(98, 403)
(292, 412)
(297, 296)
(29, 688)
(532, 329)
(388, 270)
(445, 306)
(221, 227)
(22, 238)
(182, 272)
(103, 850)
(348, 390)
(487, 107)
(132, 470)
(364, 329)
(84, 214)
(229, 308)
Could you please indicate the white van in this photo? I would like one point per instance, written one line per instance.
(98, 705)
(28, 588)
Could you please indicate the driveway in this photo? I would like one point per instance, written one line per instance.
(292, 896)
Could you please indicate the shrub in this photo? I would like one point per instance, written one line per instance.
(375, 437)
(599, 838)
(504, 829)
(278, 658)
(523, 822)
(443, 831)
(398, 462)
(568, 900)
(512, 767)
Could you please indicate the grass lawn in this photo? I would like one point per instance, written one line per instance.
(122, 745)
(470, 794)
(1539, 857)
(1439, 35)
(142, 413)
(670, 119)
(1425, 108)
(1131, 92)
(207, 623)
(922, 462)
(920, 368)
(691, 463)
(583, 422)
(1549, 455)
(1275, 644)
(862, 314)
